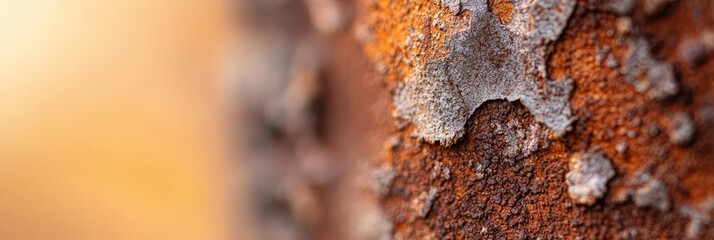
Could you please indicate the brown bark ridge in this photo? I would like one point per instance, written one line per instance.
(543, 119)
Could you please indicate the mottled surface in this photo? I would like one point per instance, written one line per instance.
(633, 86)
(489, 61)
(588, 177)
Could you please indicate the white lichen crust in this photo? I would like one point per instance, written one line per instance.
(489, 61)
(588, 177)
(652, 194)
(422, 204)
(681, 129)
(654, 78)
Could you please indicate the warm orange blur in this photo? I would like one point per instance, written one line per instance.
(110, 124)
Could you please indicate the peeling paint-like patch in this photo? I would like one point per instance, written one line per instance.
(652, 194)
(621, 7)
(422, 204)
(489, 61)
(440, 171)
(699, 216)
(648, 75)
(649, 192)
(521, 140)
(382, 178)
(681, 129)
(588, 177)
(453, 5)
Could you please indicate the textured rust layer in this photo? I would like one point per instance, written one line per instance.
(481, 187)
(502, 9)
(401, 35)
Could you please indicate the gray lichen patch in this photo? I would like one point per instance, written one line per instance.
(453, 5)
(422, 204)
(652, 194)
(648, 75)
(489, 61)
(700, 217)
(551, 105)
(620, 7)
(521, 140)
(382, 178)
(433, 104)
(646, 192)
(681, 129)
(549, 18)
(588, 177)
(440, 170)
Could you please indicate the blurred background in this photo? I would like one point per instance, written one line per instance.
(184, 119)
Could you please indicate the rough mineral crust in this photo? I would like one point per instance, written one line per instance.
(489, 61)
(648, 75)
(700, 217)
(422, 204)
(681, 129)
(588, 177)
(453, 5)
(621, 7)
(382, 178)
(652, 194)
(521, 141)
